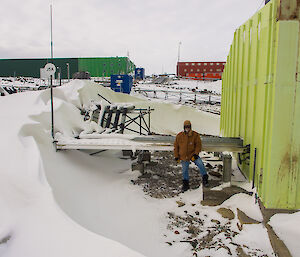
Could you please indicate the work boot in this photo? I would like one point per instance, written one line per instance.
(205, 180)
(185, 185)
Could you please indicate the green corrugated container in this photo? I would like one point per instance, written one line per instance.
(261, 101)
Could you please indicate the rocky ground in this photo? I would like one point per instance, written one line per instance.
(162, 177)
(192, 223)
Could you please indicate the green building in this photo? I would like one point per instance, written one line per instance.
(96, 66)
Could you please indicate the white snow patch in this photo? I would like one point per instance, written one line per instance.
(245, 203)
(286, 226)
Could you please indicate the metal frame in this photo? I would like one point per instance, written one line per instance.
(111, 119)
(210, 100)
(142, 126)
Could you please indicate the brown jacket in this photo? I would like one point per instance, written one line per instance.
(186, 145)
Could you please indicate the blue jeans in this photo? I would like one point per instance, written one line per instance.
(185, 168)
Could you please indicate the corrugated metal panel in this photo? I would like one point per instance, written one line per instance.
(62, 64)
(21, 67)
(31, 67)
(106, 66)
(98, 67)
(261, 104)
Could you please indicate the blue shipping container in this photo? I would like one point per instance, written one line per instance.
(121, 83)
(139, 73)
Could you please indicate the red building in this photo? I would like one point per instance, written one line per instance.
(200, 70)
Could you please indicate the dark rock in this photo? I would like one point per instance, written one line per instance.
(226, 213)
(244, 219)
(180, 204)
(220, 167)
(209, 166)
(215, 221)
(5, 239)
(215, 174)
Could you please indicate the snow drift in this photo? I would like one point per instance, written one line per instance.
(34, 178)
(31, 223)
(69, 203)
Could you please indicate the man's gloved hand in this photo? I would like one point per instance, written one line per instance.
(195, 157)
(177, 160)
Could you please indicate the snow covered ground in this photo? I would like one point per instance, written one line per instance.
(202, 95)
(69, 203)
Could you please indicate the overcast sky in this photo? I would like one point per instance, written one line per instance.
(150, 31)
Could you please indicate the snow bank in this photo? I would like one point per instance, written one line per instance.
(166, 118)
(37, 183)
(215, 86)
(286, 226)
(31, 223)
(245, 203)
(69, 203)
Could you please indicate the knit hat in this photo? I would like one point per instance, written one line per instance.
(187, 123)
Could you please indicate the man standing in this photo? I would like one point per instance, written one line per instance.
(187, 147)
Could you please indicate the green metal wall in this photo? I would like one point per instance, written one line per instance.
(62, 64)
(98, 67)
(31, 67)
(261, 103)
(104, 67)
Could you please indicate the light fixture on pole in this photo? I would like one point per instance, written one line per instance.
(179, 51)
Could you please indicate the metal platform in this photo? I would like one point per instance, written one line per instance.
(198, 95)
(151, 143)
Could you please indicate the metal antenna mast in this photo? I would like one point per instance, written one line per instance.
(179, 51)
(51, 32)
(51, 77)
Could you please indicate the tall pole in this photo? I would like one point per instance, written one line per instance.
(68, 71)
(179, 51)
(178, 59)
(51, 77)
(60, 75)
(51, 33)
